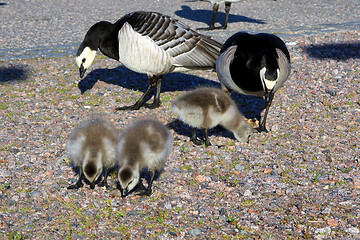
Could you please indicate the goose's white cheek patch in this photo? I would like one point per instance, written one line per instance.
(88, 55)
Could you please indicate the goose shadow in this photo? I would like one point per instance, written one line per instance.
(205, 16)
(13, 73)
(337, 51)
(123, 77)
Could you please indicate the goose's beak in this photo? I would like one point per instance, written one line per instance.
(82, 71)
(267, 95)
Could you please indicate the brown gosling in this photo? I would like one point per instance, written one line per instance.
(144, 144)
(206, 108)
(91, 146)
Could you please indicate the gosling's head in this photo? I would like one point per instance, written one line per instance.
(128, 179)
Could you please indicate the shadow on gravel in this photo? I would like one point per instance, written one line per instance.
(206, 15)
(183, 129)
(337, 51)
(2, 4)
(250, 106)
(12, 73)
(128, 79)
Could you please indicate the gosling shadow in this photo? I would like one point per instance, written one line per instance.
(336, 51)
(13, 73)
(205, 16)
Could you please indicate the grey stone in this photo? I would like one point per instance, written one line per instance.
(195, 232)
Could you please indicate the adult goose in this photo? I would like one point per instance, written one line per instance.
(149, 43)
(216, 4)
(254, 64)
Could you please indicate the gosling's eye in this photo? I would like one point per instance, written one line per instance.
(83, 60)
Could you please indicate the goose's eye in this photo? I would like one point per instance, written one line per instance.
(83, 60)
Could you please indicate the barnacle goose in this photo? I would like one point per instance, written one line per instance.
(149, 43)
(208, 107)
(146, 143)
(254, 64)
(91, 146)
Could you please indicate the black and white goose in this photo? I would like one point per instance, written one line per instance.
(149, 43)
(254, 64)
(216, 4)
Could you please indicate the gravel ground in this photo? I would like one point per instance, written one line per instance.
(299, 181)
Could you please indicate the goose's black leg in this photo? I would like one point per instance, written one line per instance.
(148, 190)
(104, 183)
(194, 138)
(152, 83)
(78, 184)
(207, 141)
(227, 11)
(262, 125)
(156, 102)
(215, 11)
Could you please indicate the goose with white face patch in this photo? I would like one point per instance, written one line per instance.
(254, 64)
(91, 146)
(206, 108)
(146, 143)
(150, 43)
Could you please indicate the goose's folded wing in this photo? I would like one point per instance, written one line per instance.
(223, 69)
(284, 66)
(188, 48)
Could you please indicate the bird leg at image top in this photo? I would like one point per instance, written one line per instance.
(78, 184)
(268, 99)
(215, 11)
(227, 11)
(153, 81)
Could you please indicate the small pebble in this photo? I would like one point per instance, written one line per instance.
(352, 230)
(195, 232)
(247, 193)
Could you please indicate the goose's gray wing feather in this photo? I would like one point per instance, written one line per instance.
(284, 66)
(223, 69)
(189, 48)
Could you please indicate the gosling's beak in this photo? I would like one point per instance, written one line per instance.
(82, 71)
(124, 193)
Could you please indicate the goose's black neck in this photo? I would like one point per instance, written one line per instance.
(102, 36)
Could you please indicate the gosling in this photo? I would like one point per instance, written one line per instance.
(144, 144)
(206, 108)
(92, 146)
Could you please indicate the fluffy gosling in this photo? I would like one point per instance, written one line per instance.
(144, 144)
(206, 108)
(91, 146)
